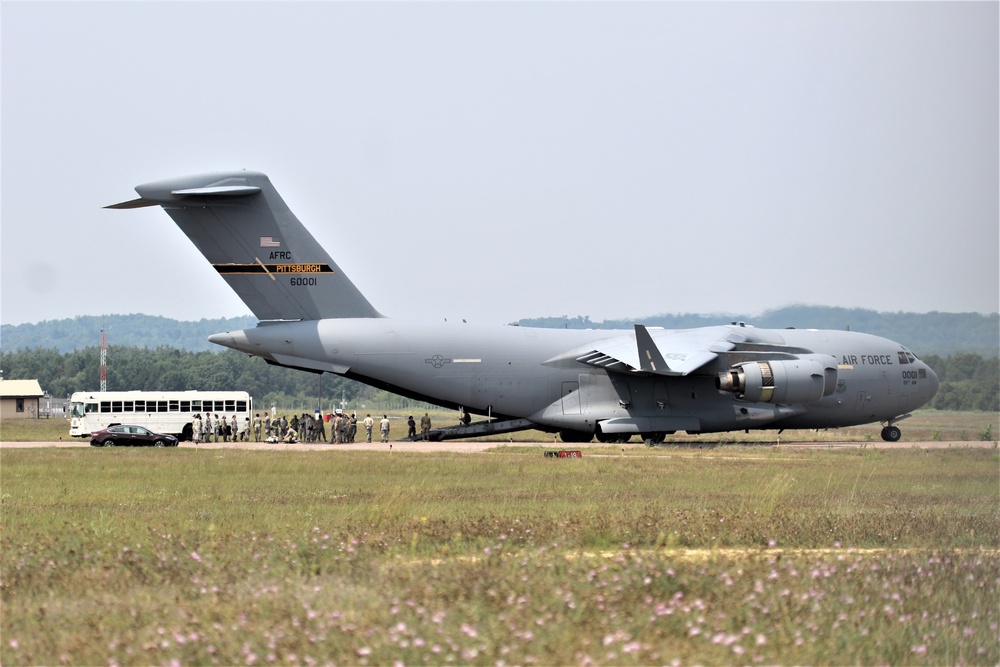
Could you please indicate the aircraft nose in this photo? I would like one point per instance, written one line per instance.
(932, 383)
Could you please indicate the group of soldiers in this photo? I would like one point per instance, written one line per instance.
(304, 428)
(218, 429)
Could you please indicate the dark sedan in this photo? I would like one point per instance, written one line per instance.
(130, 436)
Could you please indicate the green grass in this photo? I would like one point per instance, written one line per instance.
(726, 555)
(35, 430)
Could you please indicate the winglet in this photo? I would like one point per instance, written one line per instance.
(650, 359)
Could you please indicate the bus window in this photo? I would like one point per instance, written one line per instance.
(174, 405)
(90, 407)
(241, 406)
(230, 406)
(127, 406)
(105, 406)
(185, 406)
(161, 406)
(140, 406)
(196, 405)
(116, 406)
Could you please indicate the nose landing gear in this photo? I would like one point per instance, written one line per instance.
(891, 434)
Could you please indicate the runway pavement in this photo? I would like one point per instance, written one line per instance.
(473, 446)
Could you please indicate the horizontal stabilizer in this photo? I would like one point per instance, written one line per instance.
(223, 190)
(135, 203)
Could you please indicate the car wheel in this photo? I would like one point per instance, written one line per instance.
(159, 443)
(110, 442)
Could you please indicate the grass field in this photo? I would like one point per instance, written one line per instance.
(729, 555)
(925, 425)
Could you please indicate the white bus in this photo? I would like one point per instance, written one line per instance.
(160, 411)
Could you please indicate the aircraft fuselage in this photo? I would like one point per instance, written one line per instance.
(501, 372)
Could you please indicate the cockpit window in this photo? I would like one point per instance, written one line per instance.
(906, 357)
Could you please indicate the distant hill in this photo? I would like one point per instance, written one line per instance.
(135, 330)
(942, 334)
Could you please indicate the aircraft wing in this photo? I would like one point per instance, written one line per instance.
(656, 351)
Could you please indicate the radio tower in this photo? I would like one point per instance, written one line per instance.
(104, 360)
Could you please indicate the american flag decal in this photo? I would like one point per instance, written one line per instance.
(269, 242)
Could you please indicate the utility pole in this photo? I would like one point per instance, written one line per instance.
(104, 360)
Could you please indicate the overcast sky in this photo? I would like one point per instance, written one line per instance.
(496, 161)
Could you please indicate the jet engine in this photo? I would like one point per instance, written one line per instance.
(805, 379)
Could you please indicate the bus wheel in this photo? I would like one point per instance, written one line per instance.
(187, 433)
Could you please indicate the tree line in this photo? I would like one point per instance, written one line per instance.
(169, 369)
(923, 333)
(968, 381)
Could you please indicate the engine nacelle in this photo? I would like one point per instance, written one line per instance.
(806, 379)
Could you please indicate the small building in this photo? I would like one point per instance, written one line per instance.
(19, 399)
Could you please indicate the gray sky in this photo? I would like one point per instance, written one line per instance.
(495, 161)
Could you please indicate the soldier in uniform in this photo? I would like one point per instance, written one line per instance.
(384, 428)
(369, 424)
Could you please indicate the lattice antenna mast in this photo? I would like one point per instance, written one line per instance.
(104, 360)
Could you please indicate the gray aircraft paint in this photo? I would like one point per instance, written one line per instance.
(580, 383)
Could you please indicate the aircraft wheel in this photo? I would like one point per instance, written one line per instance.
(655, 438)
(891, 434)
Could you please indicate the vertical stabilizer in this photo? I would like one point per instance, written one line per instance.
(242, 226)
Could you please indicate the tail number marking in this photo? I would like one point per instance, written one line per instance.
(303, 282)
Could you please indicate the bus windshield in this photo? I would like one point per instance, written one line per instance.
(76, 410)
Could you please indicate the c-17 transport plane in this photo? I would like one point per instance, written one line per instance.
(611, 384)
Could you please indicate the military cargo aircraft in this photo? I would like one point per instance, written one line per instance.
(580, 383)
